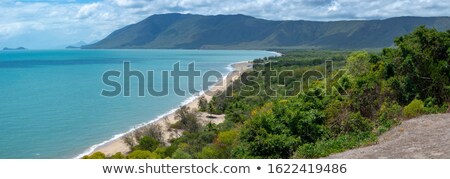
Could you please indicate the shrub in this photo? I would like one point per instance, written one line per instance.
(217, 104)
(358, 63)
(431, 106)
(357, 124)
(180, 154)
(129, 139)
(202, 104)
(388, 116)
(140, 154)
(390, 111)
(209, 152)
(337, 112)
(414, 109)
(326, 147)
(147, 143)
(187, 120)
(118, 155)
(166, 151)
(96, 155)
(226, 141)
(153, 131)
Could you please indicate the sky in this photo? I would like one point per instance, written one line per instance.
(52, 24)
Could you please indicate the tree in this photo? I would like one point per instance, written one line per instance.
(358, 63)
(421, 65)
(147, 143)
(266, 135)
(153, 131)
(226, 141)
(129, 139)
(202, 104)
(187, 120)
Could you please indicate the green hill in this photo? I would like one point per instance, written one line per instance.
(186, 31)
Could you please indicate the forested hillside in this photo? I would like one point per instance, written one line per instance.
(305, 114)
(186, 31)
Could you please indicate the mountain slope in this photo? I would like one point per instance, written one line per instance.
(186, 31)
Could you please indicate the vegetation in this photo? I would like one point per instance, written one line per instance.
(306, 110)
(187, 120)
(96, 155)
(188, 31)
(414, 109)
(202, 104)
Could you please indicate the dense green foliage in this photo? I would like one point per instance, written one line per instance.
(333, 113)
(96, 155)
(187, 31)
(142, 154)
(414, 109)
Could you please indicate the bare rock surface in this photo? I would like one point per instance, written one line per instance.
(423, 137)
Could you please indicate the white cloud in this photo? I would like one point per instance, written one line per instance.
(87, 10)
(334, 6)
(66, 23)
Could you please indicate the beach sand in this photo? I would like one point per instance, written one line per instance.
(118, 145)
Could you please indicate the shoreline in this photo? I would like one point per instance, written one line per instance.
(116, 144)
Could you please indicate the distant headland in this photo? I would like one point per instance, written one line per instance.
(77, 45)
(18, 48)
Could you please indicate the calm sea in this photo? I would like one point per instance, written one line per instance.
(51, 104)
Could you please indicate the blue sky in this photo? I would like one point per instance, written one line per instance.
(47, 24)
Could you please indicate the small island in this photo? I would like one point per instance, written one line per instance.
(77, 45)
(18, 48)
(72, 47)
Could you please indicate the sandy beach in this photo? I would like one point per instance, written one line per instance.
(118, 145)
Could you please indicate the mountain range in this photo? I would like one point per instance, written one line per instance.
(188, 31)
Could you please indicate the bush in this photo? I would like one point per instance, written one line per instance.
(388, 116)
(337, 112)
(187, 120)
(140, 154)
(357, 124)
(153, 131)
(96, 155)
(180, 154)
(209, 152)
(389, 111)
(217, 104)
(202, 104)
(358, 63)
(226, 141)
(431, 106)
(166, 151)
(147, 143)
(414, 109)
(129, 139)
(118, 155)
(326, 147)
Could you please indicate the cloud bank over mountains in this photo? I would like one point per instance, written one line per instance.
(56, 23)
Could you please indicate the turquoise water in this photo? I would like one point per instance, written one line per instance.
(51, 104)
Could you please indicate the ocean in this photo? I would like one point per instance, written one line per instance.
(51, 102)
